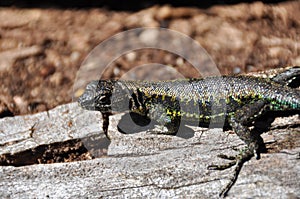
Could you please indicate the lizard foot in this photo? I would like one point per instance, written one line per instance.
(238, 161)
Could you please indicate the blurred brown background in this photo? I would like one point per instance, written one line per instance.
(42, 44)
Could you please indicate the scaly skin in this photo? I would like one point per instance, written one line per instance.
(236, 102)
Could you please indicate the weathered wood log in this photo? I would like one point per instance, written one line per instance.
(140, 165)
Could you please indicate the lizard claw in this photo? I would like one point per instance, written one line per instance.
(257, 154)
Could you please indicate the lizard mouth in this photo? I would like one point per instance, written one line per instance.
(87, 99)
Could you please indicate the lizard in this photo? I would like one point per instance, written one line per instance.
(236, 102)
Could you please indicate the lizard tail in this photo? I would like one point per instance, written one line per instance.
(289, 77)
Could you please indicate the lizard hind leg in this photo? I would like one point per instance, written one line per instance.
(238, 121)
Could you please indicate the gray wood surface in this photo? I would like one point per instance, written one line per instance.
(144, 165)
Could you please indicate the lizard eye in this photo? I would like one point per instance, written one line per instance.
(102, 99)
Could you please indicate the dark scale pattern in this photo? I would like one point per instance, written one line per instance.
(234, 92)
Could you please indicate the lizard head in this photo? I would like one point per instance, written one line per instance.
(97, 96)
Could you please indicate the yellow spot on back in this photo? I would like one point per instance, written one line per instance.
(174, 113)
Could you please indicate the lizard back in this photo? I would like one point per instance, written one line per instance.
(202, 99)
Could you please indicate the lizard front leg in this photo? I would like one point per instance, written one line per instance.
(105, 124)
(165, 117)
